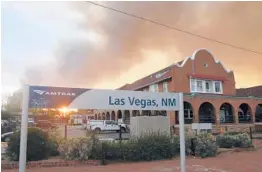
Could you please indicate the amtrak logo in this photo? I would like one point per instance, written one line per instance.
(42, 92)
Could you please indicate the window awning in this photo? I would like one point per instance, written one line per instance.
(208, 77)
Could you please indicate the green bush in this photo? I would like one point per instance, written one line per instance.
(188, 144)
(54, 141)
(37, 145)
(96, 151)
(233, 133)
(76, 148)
(156, 147)
(241, 140)
(146, 148)
(205, 145)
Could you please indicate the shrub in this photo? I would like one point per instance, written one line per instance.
(76, 148)
(188, 144)
(205, 145)
(37, 145)
(241, 140)
(232, 133)
(54, 140)
(148, 147)
(113, 150)
(96, 151)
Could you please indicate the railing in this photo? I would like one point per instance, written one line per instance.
(227, 119)
(245, 119)
(186, 120)
(206, 119)
(258, 119)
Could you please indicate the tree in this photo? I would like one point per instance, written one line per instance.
(14, 101)
(5, 115)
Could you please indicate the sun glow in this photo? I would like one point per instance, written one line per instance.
(66, 110)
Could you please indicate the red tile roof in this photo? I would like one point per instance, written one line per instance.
(124, 87)
(251, 91)
(150, 79)
(211, 77)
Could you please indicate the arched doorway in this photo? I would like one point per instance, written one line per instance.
(244, 113)
(95, 116)
(188, 113)
(103, 116)
(135, 113)
(259, 113)
(119, 116)
(226, 113)
(113, 116)
(107, 116)
(126, 117)
(146, 113)
(162, 113)
(99, 116)
(206, 113)
(155, 113)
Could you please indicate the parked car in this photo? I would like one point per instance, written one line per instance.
(105, 125)
(6, 137)
(45, 124)
(31, 122)
(3, 122)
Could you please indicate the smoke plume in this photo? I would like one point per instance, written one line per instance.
(119, 40)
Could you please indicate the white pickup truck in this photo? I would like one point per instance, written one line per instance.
(105, 125)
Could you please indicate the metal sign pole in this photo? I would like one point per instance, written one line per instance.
(182, 134)
(24, 125)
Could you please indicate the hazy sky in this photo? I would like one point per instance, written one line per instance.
(77, 44)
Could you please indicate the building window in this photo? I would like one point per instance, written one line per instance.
(165, 87)
(193, 85)
(156, 87)
(209, 86)
(218, 87)
(206, 86)
(199, 85)
(153, 88)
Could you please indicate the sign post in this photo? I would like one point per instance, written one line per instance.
(80, 98)
(182, 134)
(24, 125)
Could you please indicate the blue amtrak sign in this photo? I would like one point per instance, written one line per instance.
(57, 97)
(52, 97)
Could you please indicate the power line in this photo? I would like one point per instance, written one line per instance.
(174, 28)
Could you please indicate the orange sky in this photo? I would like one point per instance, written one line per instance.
(128, 48)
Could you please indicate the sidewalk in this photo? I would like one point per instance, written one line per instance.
(227, 162)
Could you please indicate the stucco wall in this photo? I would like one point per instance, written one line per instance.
(181, 80)
(149, 124)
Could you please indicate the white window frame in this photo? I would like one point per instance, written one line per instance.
(156, 88)
(153, 88)
(201, 84)
(212, 89)
(211, 86)
(221, 87)
(165, 86)
(188, 114)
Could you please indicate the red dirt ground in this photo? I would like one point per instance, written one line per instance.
(248, 161)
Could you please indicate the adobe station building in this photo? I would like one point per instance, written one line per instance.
(210, 95)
